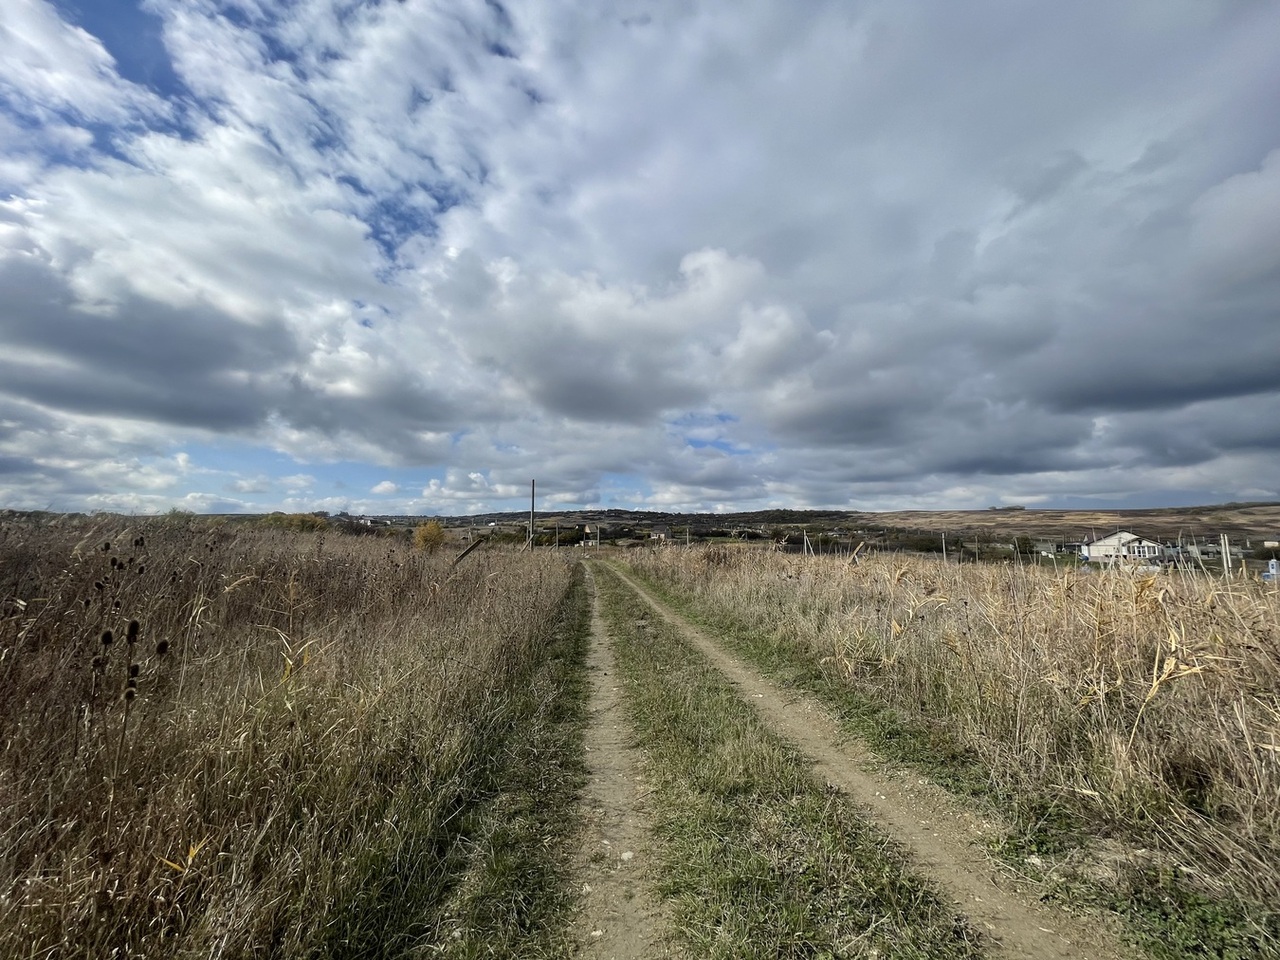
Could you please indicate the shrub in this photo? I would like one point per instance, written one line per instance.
(429, 536)
(295, 521)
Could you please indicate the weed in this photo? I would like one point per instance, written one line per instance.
(238, 740)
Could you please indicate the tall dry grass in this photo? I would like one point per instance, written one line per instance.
(1150, 705)
(233, 741)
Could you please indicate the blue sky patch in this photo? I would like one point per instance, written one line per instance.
(133, 37)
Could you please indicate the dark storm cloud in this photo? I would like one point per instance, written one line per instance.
(605, 384)
(875, 409)
(1199, 432)
(16, 466)
(392, 415)
(1160, 353)
(139, 358)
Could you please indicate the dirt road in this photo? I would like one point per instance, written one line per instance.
(619, 918)
(942, 834)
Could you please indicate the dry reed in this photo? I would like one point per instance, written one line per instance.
(225, 740)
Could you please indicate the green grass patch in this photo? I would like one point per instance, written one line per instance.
(760, 858)
(1171, 920)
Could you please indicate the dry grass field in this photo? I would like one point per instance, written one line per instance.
(231, 740)
(270, 739)
(1128, 724)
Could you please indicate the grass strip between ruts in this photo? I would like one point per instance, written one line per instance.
(758, 857)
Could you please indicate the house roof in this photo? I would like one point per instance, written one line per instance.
(1122, 538)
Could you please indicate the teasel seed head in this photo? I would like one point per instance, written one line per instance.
(131, 633)
(130, 692)
(162, 648)
(107, 638)
(134, 670)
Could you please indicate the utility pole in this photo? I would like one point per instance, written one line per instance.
(533, 490)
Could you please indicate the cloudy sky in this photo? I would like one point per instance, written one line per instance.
(405, 256)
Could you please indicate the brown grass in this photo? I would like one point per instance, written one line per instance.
(233, 741)
(1256, 521)
(1148, 705)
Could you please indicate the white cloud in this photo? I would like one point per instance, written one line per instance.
(697, 256)
(51, 67)
(297, 482)
(256, 484)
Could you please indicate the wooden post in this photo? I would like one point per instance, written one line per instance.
(533, 489)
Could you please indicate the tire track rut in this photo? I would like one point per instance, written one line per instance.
(940, 833)
(618, 917)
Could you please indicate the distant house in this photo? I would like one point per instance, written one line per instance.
(1121, 546)
(1209, 550)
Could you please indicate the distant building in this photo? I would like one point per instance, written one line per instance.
(1121, 546)
(1209, 550)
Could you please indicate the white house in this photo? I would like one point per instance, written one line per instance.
(1122, 545)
